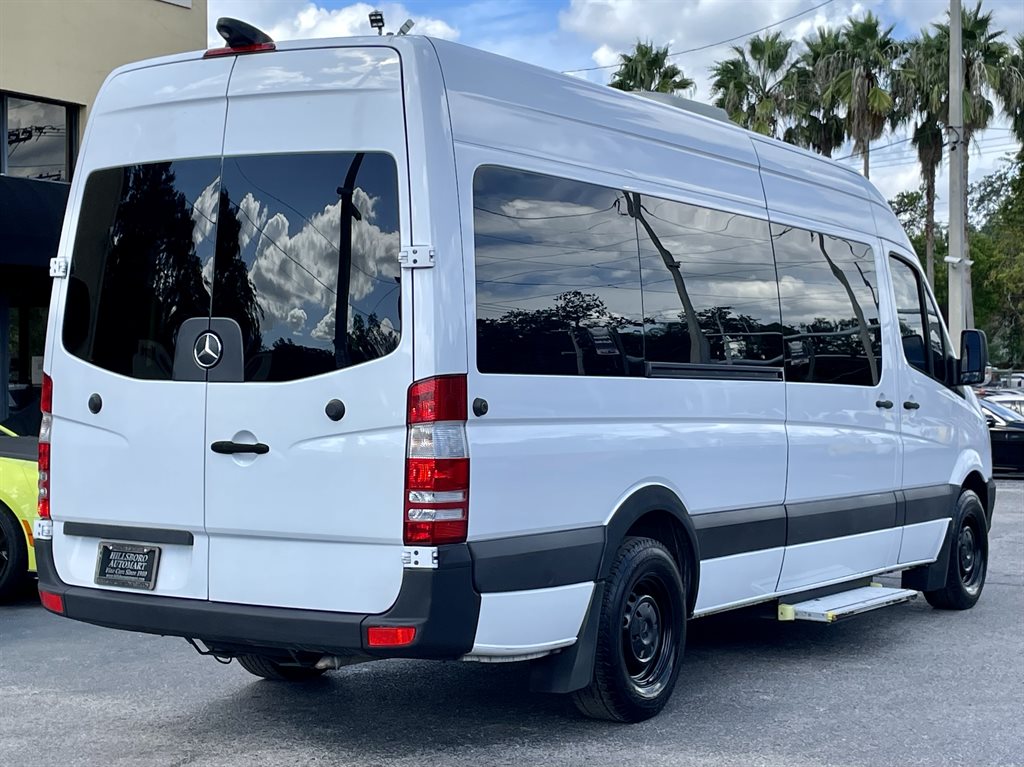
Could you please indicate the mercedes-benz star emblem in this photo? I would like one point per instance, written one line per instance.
(207, 350)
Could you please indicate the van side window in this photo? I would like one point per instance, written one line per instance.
(557, 277)
(920, 327)
(709, 287)
(137, 271)
(829, 293)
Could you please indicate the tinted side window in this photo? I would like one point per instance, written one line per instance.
(137, 271)
(709, 287)
(286, 225)
(557, 277)
(923, 344)
(829, 293)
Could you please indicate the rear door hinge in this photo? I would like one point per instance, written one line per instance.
(417, 257)
(58, 267)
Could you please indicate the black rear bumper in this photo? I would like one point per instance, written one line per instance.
(441, 604)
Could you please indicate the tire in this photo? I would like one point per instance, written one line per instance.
(278, 672)
(641, 634)
(13, 555)
(968, 557)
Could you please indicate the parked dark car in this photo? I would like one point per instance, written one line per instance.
(1006, 428)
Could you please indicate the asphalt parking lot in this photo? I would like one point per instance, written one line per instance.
(907, 685)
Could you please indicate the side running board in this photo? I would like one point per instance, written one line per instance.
(845, 604)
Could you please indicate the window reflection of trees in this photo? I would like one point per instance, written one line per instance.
(829, 308)
(707, 280)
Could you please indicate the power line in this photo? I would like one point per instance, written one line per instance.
(712, 45)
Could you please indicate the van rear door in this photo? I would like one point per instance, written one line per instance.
(305, 413)
(128, 442)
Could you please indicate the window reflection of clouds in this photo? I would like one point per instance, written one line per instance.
(287, 222)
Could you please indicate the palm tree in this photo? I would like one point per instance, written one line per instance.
(755, 85)
(920, 95)
(1011, 90)
(817, 121)
(858, 76)
(648, 69)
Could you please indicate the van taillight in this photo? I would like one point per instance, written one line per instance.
(437, 462)
(45, 427)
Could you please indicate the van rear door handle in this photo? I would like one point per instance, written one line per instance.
(886, 403)
(911, 405)
(226, 447)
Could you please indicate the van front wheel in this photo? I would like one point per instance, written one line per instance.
(968, 557)
(640, 638)
(278, 672)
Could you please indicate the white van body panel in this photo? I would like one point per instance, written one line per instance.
(738, 579)
(527, 622)
(310, 506)
(144, 426)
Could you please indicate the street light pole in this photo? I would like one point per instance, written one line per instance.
(957, 183)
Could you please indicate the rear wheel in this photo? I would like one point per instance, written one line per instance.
(279, 672)
(13, 555)
(968, 557)
(640, 638)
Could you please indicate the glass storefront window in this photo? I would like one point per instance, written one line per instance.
(38, 144)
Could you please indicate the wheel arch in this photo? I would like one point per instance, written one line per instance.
(655, 511)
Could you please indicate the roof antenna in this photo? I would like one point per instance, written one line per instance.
(238, 34)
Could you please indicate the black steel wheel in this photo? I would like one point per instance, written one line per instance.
(266, 668)
(13, 555)
(641, 635)
(968, 557)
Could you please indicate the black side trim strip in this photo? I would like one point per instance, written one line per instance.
(122, 533)
(726, 372)
(925, 504)
(538, 561)
(723, 533)
(837, 517)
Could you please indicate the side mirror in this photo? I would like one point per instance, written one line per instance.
(990, 421)
(973, 357)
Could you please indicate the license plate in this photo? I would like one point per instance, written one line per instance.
(127, 565)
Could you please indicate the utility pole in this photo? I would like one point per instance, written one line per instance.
(957, 182)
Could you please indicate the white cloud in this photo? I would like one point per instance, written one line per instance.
(289, 20)
(296, 320)
(204, 211)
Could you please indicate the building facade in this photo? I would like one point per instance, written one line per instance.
(54, 55)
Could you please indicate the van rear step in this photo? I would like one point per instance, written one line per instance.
(845, 604)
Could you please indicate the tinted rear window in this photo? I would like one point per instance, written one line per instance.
(256, 239)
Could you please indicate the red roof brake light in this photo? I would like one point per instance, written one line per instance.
(240, 38)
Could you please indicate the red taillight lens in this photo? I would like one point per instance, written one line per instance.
(390, 636)
(45, 427)
(437, 463)
(254, 48)
(52, 602)
(438, 399)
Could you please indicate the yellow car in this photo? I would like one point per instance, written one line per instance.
(19, 487)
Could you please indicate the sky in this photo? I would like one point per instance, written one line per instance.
(577, 36)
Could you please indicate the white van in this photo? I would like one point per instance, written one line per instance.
(605, 365)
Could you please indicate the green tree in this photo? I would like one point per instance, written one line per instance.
(858, 76)
(818, 121)
(648, 69)
(755, 86)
